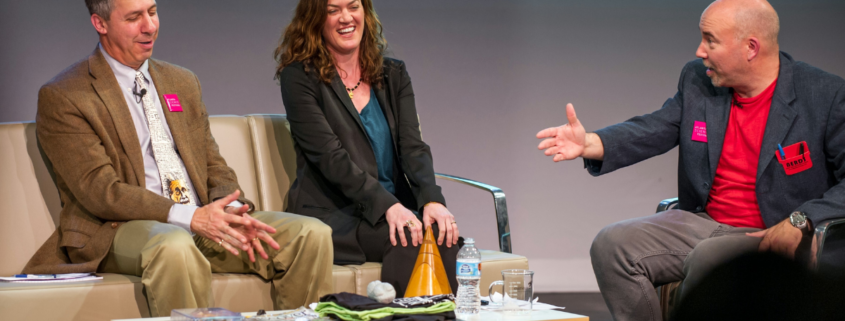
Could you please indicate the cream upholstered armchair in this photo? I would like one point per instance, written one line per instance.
(271, 167)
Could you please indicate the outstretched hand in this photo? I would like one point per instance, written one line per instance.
(564, 142)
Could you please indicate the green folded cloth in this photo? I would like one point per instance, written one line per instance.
(326, 308)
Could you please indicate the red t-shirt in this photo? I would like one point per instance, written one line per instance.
(733, 199)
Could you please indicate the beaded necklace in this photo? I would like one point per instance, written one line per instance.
(350, 90)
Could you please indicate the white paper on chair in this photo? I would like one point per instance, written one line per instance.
(497, 297)
(50, 278)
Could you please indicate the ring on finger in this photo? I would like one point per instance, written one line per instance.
(409, 223)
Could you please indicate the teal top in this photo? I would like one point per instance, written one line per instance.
(379, 134)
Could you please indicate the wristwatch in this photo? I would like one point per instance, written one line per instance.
(799, 220)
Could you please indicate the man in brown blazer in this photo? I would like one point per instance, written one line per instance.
(143, 186)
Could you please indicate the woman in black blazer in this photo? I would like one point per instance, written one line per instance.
(362, 167)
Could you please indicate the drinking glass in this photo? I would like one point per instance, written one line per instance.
(517, 291)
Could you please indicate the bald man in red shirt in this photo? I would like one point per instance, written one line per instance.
(762, 158)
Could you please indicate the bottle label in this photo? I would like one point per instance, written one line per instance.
(468, 269)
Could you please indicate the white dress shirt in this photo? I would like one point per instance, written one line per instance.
(180, 214)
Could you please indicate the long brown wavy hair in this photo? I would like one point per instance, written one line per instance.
(303, 41)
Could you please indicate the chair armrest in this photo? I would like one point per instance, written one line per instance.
(499, 203)
(667, 204)
(819, 235)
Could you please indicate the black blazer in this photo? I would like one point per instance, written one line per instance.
(336, 170)
(808, 106)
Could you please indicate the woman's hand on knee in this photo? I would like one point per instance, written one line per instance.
(436, 212)
(397, 218)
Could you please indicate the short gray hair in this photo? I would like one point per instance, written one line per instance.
(100, 7)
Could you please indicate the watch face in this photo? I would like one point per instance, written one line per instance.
(797, 219)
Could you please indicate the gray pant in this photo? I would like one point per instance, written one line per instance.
(632, 256)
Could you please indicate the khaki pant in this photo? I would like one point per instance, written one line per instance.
(175, 267)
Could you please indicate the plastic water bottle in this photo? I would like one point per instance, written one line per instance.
(469, 275)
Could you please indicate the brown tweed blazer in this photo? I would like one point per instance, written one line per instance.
(84, 127)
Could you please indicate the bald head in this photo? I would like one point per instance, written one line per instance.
(751, 18)
(739, 45)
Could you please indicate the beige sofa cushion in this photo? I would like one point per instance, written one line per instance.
(118, 296)
(26, 187)
(492, 264)
(115, 296)
(234, 140)
(364, 274)
(343, 279)
(275, 159)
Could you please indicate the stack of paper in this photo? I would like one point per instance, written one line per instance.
(50, 278)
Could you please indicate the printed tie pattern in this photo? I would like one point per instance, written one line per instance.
(173, 183)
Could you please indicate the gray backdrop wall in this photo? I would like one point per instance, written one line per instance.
(487, 74)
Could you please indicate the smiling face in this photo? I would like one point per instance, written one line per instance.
(130, 32)
(344, 26)
(721, 49)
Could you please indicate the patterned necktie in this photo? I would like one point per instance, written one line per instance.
(173, 183)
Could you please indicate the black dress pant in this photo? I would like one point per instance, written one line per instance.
(398, 261)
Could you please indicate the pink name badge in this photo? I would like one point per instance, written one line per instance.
(173, 103)
(699, 131)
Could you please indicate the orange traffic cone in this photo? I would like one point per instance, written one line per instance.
(429, 276)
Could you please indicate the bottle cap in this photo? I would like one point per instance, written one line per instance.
(469, 240)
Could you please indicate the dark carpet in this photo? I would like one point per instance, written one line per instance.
(590, 304)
